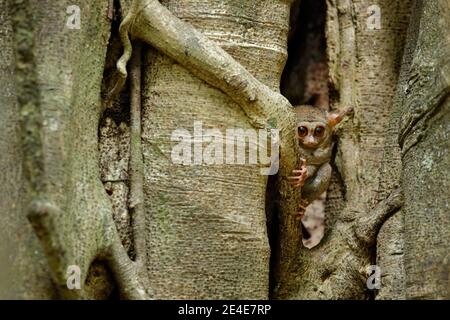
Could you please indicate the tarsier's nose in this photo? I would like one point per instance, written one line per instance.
(309, 142)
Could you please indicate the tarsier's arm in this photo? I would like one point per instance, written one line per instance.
(311, 170)
(317, 184)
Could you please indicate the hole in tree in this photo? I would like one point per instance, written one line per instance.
(305, 81)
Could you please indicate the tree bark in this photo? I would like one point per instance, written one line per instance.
(424, 141)
(197, 230)
(58, 73)
(207, 227)
(24, 271)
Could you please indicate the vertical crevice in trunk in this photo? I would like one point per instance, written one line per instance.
(305, 81)
(114, 139)
(305, 77)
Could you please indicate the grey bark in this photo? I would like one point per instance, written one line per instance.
(23, 267)
(424, 141)
(207, 235)
(58, 75)
(204, 234)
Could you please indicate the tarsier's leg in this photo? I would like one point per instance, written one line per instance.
(317, 184)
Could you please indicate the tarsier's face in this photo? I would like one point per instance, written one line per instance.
(315, 127)
(312, 134)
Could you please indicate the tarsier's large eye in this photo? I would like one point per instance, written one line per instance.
(302, 131)
(319, 131)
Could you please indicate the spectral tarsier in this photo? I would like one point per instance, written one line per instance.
(315, 130)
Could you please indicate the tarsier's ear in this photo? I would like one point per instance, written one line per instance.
(335, 117)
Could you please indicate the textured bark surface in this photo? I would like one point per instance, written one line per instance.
(24, 273)
(390, 240)
(424, 139)
(206, 225)
(58, 74)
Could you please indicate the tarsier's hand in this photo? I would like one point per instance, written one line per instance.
(300, 177)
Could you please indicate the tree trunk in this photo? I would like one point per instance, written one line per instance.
(58, 76)
(206, 224)
(24, 271)
(158, 228)
(424, 141)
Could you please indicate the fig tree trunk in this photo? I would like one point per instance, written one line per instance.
(114, 120)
